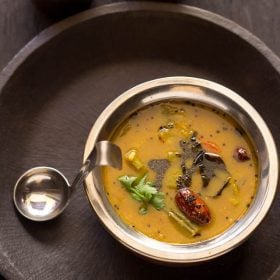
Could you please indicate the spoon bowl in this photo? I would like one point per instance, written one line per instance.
(41, 193)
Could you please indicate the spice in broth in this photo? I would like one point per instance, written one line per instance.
(189, 172)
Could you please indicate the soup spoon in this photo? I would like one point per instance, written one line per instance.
(42, 193)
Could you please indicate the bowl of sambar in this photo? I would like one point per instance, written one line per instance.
(199, 174)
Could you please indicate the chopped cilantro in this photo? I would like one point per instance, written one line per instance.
(143, 191)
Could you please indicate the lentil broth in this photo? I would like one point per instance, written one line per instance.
(217, 133)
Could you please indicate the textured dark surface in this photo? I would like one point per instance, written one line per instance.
(48, 107)
(21, 20)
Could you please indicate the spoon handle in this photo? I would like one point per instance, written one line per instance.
(104, 153)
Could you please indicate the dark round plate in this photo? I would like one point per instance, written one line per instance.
(55, 88)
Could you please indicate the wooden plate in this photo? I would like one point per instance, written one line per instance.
(55, 88)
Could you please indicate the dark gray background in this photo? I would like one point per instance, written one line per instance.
(20, 21)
